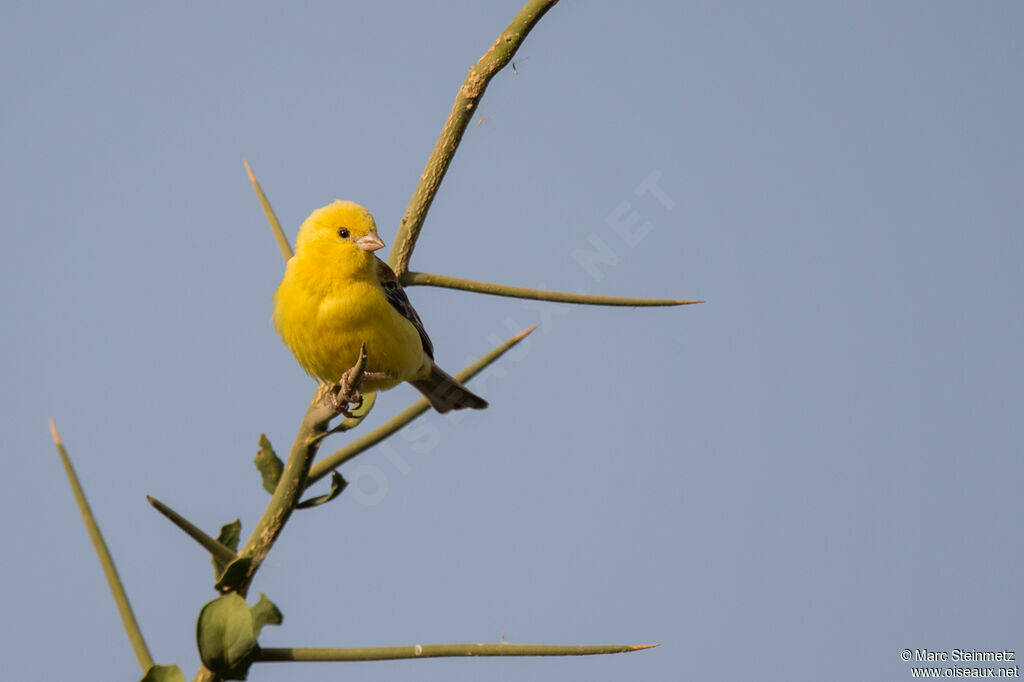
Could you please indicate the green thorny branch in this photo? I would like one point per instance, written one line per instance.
(299, 472)
(388, 653)
(466, 100)
(131, 625)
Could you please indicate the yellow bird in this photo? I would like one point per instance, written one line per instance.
(337, 295)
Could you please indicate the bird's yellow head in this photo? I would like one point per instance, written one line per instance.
(343, 232)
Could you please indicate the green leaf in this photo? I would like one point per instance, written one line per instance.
(230, 533)
(338, 484)
(265, 612)
(234, 574)
(164, 673)
(226, 636)
(269, 464)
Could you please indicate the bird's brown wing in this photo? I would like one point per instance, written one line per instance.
(395, 294)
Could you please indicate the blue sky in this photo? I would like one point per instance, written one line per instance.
(814, 470)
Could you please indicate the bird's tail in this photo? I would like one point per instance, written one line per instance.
(446, 393)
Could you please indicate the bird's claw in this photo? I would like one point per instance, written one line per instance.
(342, 395)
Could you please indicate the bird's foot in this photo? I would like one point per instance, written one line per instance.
(344, 398)
(347, 392)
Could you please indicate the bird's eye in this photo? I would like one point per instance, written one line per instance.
(343, 233)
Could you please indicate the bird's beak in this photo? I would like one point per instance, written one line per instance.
(369, 242)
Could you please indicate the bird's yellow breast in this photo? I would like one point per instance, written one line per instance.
(324, 318)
